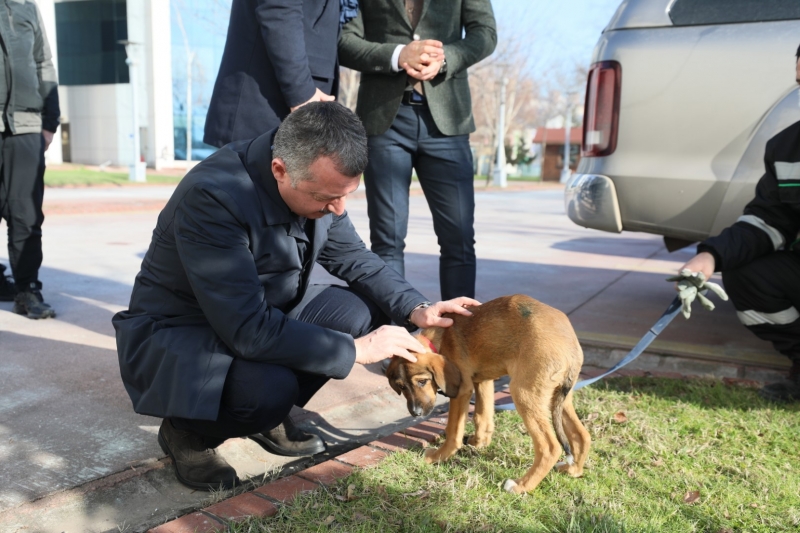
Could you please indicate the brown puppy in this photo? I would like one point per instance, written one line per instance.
(517, 336)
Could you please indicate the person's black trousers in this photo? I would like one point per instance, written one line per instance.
(766, 295)
(444, 169)
(258, 396)
(21, 197)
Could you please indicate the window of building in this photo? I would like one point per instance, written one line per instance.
(701, 12)
(88, 34)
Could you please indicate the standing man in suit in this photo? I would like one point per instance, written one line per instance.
(415, 104)
(279, 55)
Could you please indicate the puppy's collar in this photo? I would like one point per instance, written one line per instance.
(430, 344)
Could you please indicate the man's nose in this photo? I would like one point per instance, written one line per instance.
(336, 206)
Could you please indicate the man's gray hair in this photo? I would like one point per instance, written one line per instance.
(321, 129)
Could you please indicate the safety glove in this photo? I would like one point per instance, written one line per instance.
(693, 285)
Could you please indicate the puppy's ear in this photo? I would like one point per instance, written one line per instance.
(446, 374)
(393, 374)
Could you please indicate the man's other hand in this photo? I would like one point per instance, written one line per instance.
(385, 342)
(427, 317)
(319, 96)
(48, 138)
(419, 54)
(426, 73)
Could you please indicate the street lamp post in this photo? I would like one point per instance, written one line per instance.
(137, 168)
(500, 166)
(566, 172)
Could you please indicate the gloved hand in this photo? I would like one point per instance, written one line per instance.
(689, 286)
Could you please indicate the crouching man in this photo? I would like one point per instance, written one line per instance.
(224, 334)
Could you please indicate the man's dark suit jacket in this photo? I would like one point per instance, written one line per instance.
(222, 271)
(276, 54)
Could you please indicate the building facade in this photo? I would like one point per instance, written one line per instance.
(175, 47)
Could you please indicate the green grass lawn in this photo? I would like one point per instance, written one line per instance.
(667, 456)
(81, 177)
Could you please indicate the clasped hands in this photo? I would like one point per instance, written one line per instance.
(422, 60)
(390, 341)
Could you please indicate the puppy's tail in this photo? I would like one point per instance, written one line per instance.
(559, 396)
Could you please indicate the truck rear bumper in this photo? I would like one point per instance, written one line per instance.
(591, 202)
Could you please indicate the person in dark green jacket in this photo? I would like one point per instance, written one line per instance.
(29, 100)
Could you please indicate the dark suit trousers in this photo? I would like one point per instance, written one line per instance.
(258, 396)
(21, 197)
(444, 169)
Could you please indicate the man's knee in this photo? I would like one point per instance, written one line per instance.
(259, 395)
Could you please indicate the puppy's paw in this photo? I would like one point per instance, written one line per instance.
(569, 469)
(477, 442)
(511, 486)
(431, 455)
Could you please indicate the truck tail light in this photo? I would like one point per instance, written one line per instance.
(601, 119)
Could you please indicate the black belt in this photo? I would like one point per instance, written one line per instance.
(412, 97)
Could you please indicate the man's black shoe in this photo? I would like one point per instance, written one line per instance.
(196, 466)
(7, 288)
(29, 302)
(289, 440)
(787, 390)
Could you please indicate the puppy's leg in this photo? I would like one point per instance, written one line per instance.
(579, 440)
(484, 414)
(456, 420)
(535, 413)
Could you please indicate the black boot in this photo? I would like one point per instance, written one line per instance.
(196, 466)
(289, 440)
(7, 288)
(787, 390)
(29, 302)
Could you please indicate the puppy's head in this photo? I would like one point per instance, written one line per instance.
(419, 381)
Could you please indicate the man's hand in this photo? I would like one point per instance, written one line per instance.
(427, 72)
(319, 96)
(385, 342)
(690, 284)
(419, 54)
(427, 317)
(703, 262)
(48, 138)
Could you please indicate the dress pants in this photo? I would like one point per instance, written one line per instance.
(258, 396)
(766, 295)
(444, 169)
(21, 197)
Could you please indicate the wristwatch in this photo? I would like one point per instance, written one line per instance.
(423, 305)
(443, 69)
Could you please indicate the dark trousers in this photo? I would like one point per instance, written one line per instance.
(257, 396)
(444, 168)
(766, 295)
(21, 197)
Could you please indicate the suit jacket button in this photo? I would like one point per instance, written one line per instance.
(379, 68)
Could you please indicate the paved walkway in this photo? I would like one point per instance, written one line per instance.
(76, 458)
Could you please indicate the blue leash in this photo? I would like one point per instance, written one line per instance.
(671, 312)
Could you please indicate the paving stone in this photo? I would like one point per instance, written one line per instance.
(285, 489)
(191, 523)
(399, 441)
(326, 473)
(363, 457)
(242, 506)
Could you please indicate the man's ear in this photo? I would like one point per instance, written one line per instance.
(446, 375)
(279, 169)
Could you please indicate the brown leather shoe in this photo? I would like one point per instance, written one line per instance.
(289, 440)
(196, 466)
